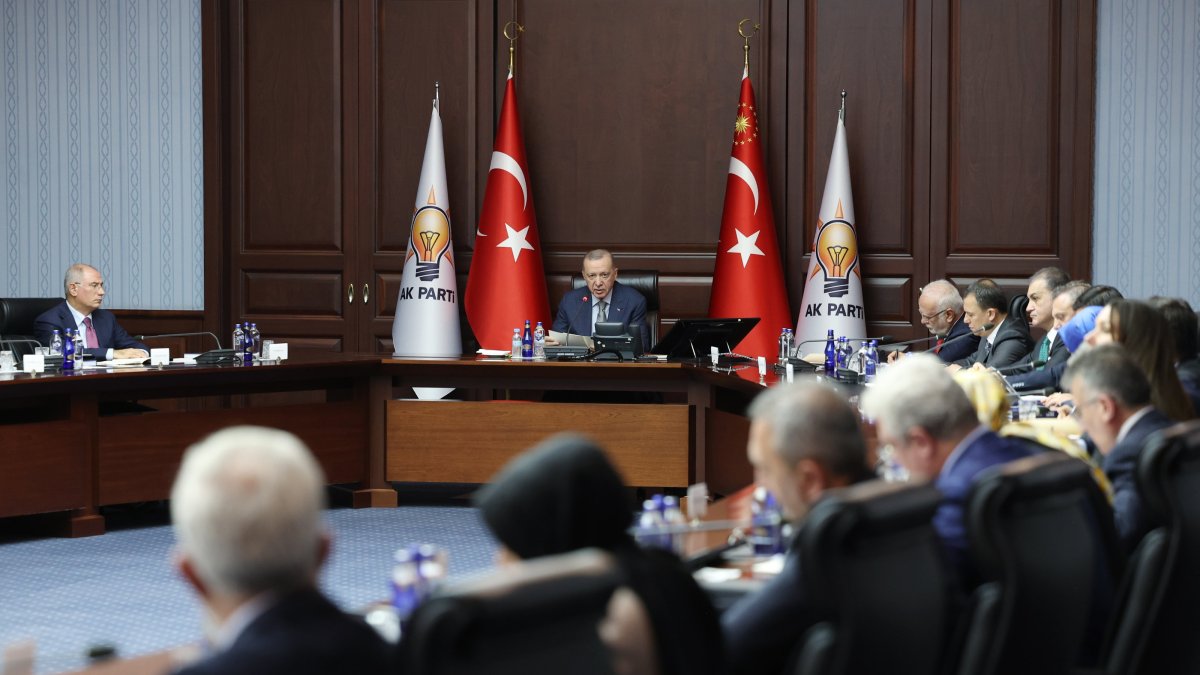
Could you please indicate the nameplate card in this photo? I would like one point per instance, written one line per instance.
(35, 363)
(279, 351)
(160, 356)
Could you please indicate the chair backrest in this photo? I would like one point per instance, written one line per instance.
(873, 566)
(644, 282)
(540, 616)
(1016, 308)
(1168, 476)
(1042, 536)
(17, 316)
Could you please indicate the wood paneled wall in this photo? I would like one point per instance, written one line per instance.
(970, 126)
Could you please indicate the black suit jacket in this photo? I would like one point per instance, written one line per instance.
(959, 349)
(1012, 342)
(1119, 466)
(625, 304)
(1049, 375)
(108, 332)
(301, 634)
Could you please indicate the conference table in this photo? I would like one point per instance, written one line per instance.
(73, 442)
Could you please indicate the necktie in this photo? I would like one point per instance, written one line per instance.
(938, 347)
(1043, 351)
(89, 334)
(987, 351)
(601, 312)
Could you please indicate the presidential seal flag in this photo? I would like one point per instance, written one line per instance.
(833, 296)
(748, 279)
(426, 322)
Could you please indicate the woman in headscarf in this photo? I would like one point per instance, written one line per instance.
(564, 495)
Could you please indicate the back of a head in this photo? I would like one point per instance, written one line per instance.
(917, 392)
(1184, 327)
(246, 506)
(1072, 289)
(989, 295)
(809, 420)
(1097, 296)
(985, 389)
(945, 294)
(1108, 369)
(559, 496)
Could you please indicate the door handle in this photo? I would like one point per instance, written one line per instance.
(366, 293)
(350, 293)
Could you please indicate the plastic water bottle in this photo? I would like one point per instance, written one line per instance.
(791, 342)
(650, 525)
(527, 342)
(539, 341)
(68, 351)
(239, 339)
(255, 342)
(516, 343)
(77, 345)
(842, 357)
(406, 583)
(830, 355)
(784, 352)
(766, 523)
(673, 517)
(871, 362)
(56, 343)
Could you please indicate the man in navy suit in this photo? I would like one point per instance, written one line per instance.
(103, 337)
(935, 434)
(804, 439)
(1050, 351)
(1006, 342)
(941, 310)
(1112, 404)
(246, 507)
(603, 299)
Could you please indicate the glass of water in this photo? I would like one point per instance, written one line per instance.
(7, 361)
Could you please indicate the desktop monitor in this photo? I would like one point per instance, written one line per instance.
(693, 338)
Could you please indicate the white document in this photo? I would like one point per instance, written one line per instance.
(571, 339)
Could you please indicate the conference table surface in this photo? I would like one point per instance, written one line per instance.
(65, 447)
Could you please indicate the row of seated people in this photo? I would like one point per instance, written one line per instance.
(246, 508)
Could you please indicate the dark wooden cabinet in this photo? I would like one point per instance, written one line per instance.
(970, 132)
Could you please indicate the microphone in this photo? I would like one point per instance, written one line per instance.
(977, 331)
(139, 338)
(12, 341)
(1017, 366)
(881, 338)
(586, 302)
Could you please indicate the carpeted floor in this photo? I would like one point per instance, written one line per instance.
(120, 588)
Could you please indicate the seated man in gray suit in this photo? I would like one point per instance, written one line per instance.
(1004, 340)
(602, 299)
(103, 337)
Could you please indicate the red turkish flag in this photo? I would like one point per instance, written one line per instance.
(507, 283)
(748, 280)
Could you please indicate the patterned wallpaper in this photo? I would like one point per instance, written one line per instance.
(1147, 191)
(100, 135)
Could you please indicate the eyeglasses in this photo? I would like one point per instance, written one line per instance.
(930, 317)
(93, 285)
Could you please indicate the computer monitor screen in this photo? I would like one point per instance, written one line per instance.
(693, 338)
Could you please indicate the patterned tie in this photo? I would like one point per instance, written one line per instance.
(938, 348)
(89, 335)
(601, 312)
(987, 351)
(1044, 351)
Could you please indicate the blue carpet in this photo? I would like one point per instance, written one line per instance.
(121, 589)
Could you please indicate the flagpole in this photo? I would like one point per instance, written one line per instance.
(842, 111)
(512, 40)
(746, 40)
(437, 96)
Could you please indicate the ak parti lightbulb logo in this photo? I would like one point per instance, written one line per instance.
(429, 239)
(836, 249)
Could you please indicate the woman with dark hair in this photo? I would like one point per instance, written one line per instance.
(564, 495)
(1185, 328)
(1143, 331)
(1097, 296)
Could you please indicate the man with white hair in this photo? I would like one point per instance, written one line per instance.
(246, 506)
(941, 308)
(933, 431)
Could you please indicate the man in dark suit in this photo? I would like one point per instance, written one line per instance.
(804, 439)
(1043, 365)
(1006, 342)
(1112, 404)
(941, 308)
(603, 299)
(103, 337)
(246, 507)
(935, 434)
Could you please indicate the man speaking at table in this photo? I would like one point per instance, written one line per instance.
(602, 299)
(103, 337)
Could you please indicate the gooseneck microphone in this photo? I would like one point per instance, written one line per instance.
(881, 338)
(139, 338)
(985, 327)
(1018, 366)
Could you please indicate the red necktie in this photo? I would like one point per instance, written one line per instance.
(938, 348)
(90, 340)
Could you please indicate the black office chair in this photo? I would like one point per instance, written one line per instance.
(1043, 539)
(1017, 307)
(540, 616)
(873, 567)
(1168, 476)
(17, 316)
(646, 283)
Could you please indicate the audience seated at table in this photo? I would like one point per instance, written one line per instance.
(804, 440)
(564, 495)
(246, 507)
(1004, 340)
(934, 433)
(1113, 404)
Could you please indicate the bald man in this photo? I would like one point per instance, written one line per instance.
(103, 337)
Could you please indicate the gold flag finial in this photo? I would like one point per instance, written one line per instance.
(516, 29)
(746, 38)
(842, 110)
